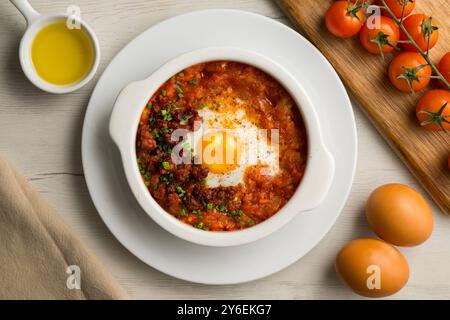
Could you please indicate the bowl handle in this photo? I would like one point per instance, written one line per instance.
(26, 10)
(121, 118)
(320, 177)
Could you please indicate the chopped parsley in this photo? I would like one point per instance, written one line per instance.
(198, 211)
(180, 192)
(179, 92)
(221, 207)
(166, 130)
(236, 212)
(187, 147)
(165, 178)
(181, 74)
(164, 93)
(193, 82)
(166, 115)
(183, 212)
(200, 225)
(166, 165)
(202, 106)
(209, 206)
(155, 134)
(142, 168)
(162, 145)
(149, 105)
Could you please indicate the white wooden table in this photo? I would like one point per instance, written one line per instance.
(41, 134)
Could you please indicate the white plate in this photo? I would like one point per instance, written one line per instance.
(108, 186)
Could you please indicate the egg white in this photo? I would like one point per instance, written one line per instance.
(254, 146)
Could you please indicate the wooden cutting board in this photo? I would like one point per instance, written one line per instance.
(392, 112)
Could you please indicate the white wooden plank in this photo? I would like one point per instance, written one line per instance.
(41, 134)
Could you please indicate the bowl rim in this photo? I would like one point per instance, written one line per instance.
(126, 137)
(26, 60)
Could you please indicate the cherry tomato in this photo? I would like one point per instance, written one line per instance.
(444, 68)
(433, 110)
(396, 7)
(417, 26)
(406, 71)
(344, 20)
(380, 39)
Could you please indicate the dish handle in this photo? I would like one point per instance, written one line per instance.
(319, 175)
(26, 10)
(121, 120)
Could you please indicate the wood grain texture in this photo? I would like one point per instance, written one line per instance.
(393, 113)
(41, 135)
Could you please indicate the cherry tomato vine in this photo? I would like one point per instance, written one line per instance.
(410, 71)
(417, 33)
(427, 30)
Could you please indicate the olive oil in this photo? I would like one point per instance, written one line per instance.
(60, 55)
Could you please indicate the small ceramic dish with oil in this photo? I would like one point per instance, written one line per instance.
(59, 53)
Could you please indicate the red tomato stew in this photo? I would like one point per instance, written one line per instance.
(219, 96)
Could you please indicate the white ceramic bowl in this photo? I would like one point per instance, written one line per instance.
(35, 23)
(125, 120)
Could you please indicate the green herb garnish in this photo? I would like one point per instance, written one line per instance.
(237, 212)
(155, 134)
(165, 178)
(166, 115)
(200, 225)
(179, 92)
(166, 130)
(180, 192)
(166, 165)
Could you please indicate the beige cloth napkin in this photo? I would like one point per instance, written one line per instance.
(37, 248)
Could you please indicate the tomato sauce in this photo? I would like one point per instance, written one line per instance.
(181, 189)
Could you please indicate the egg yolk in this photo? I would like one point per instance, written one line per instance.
(220, 152)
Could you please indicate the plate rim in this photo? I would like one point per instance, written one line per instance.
(329, 224)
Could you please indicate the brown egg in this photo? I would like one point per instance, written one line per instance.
(399, 215)
(372, 267)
